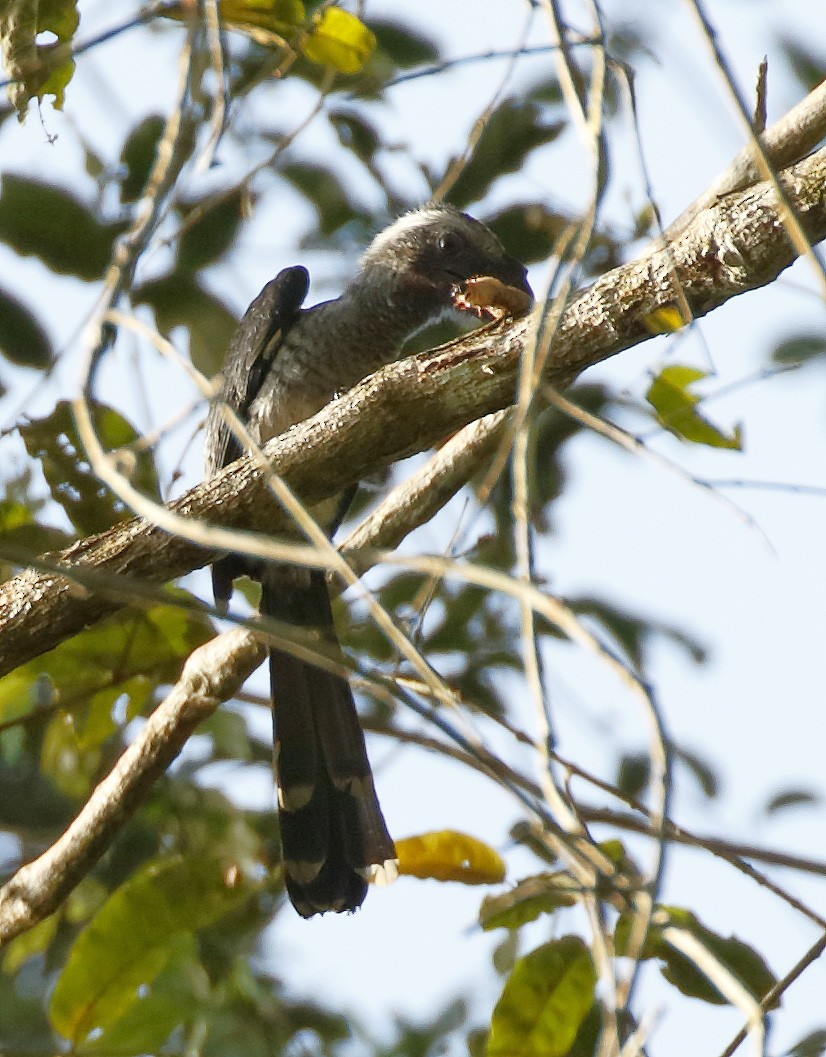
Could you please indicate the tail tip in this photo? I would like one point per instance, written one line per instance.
(381, 874)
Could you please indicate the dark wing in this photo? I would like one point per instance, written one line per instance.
(249, 358)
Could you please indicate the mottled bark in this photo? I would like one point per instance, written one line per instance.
(737, 245)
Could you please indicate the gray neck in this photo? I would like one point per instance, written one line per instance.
(379, 311)
(340, 342)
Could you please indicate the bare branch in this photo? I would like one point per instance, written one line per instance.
(785, 142)
(418, 498)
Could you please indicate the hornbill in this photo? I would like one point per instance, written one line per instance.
(283, 365)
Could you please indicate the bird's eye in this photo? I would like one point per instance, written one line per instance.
(451, 243)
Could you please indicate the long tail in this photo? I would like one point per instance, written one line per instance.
(333, 834)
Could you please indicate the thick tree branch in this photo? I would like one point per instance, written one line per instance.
(738, 244)
(414, 501)
(786, 141)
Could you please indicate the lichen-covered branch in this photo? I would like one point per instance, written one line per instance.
(737, 245)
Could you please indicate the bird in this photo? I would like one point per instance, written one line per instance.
(283, 365)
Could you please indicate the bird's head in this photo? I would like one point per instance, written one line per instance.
(433, 252)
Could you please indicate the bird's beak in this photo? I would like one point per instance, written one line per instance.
(515, 275)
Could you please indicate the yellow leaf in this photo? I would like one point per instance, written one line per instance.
(35, 69)
(665, 320)
(447, 855)
(277, 16)
(676, 406)
(267, 22)
(340, 40)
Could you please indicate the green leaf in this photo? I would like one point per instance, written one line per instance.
(544, 1001)
(529, 231)
(324, 191)
(30, 803)
(504, 956)
(34, 941)
(704, 774)
(800, 348)
(69, 763)
(140, 929)
(340, 40)
(39, 938)
(176, 995)
(208, 237)
(741, 959)
(88, 503)
(546, 459)
(130, 652)
(676, 408)
(532, 836)
(98, 679)
(404, 45)
(229, 734)
(811, 1045)
(266, 21)
(20, 529)
(464, 605)
(792, 798)
(59, 17)
(94, 164)
(37, 70)
(22, 339)
(807, 63)
(546, 89)
(24, 1029)
(526, 901)
(514, 130)
(41, 220)
(633, 774)
(179, 300)
(588, 1036)
(138, 156)
(547, 470)
(355, 133)
(85, 900)
(634, 632)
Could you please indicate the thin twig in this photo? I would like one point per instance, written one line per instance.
(212, 19)
(766, 169)
(445, 65)
(458, 165)
(785, 142)
(772, 996)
